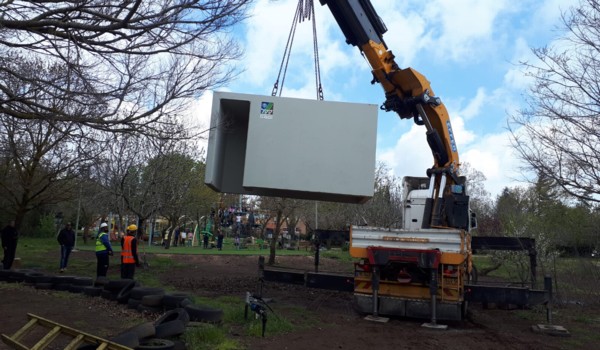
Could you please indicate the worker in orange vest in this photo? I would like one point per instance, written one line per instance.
(129, 256)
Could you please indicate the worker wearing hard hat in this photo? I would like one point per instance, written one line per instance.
(103, 250)
(129, 256)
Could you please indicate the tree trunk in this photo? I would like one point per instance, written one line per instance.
(275, 239)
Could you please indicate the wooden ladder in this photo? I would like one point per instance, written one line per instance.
(57, 329)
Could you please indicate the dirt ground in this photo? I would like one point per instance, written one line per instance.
(333, 322)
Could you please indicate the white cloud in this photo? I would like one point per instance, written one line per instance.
(474, 107)
(465, 25)
(493, 155)
(198, 116)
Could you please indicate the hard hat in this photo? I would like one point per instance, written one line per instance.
(132, 228)
(104, 224)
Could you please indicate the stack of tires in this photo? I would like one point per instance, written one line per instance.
(162, 334)
(177, 309)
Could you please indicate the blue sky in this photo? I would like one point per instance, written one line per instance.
(468, 49)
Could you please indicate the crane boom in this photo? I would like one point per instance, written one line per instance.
(409, 94)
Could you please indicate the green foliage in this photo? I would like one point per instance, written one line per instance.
(46, 228)
(209, 337)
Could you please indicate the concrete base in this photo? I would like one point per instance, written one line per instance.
(377, 319)
(441, 327)
(558, 331)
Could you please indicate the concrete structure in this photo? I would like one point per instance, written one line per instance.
(289, 147)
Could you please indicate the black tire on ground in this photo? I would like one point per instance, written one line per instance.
(173, 300)
(108, 295)
(143, 330)
(156, 344)
(125, 293)
(186, 302)
(101, 281)
(179, 344)
(83, 281)
(140, 292)
(31, 277)
(92, 291)
(63, 279)
(4, 274)
(170, 329)
(201, 313)
(46, 285)
(43, 279)
(128, 339)
(152, 300)
(116, 285)
(62, 286)
(149, 309)
(19, 275)
(133, 303)
(175, 314)
(76, 289)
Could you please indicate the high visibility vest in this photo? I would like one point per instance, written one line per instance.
(100, 247)
(126, 252)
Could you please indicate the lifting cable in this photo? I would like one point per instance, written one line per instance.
(304, 11)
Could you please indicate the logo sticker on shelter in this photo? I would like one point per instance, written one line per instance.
(266, 110)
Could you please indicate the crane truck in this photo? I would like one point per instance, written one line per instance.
(420, 270)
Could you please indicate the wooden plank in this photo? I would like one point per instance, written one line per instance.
(74, 344)
(47, 339)
(24, 330)
(13, 343)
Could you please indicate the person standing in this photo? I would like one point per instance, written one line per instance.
(129, 256)
(66, 239)
(103, 250)
(10, 236)
(219, 239)
(183, 238)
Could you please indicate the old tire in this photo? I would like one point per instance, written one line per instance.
(116, 285)
(92, 291)
(170, 329)
(101, 281)
(143, 330)
(149, 309)
(156, 344)
(140, 292)
(125, 293)
(152, 300)
(172, 315)
(201, 313)
(133, 303)
(83, 281)
(45, 285)
(108, 295)
(173, 300)
(128, 339)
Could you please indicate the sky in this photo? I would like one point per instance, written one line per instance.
(468, 49)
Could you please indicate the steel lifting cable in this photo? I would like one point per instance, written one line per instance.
(304, 11)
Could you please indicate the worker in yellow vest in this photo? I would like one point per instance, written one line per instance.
(103, 250)
(129, 256)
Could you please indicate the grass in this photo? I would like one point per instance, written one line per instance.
(44, 254)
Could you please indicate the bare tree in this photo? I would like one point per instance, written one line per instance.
(558, 134)
(139, 61)
(40, 158)
(280, 210)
